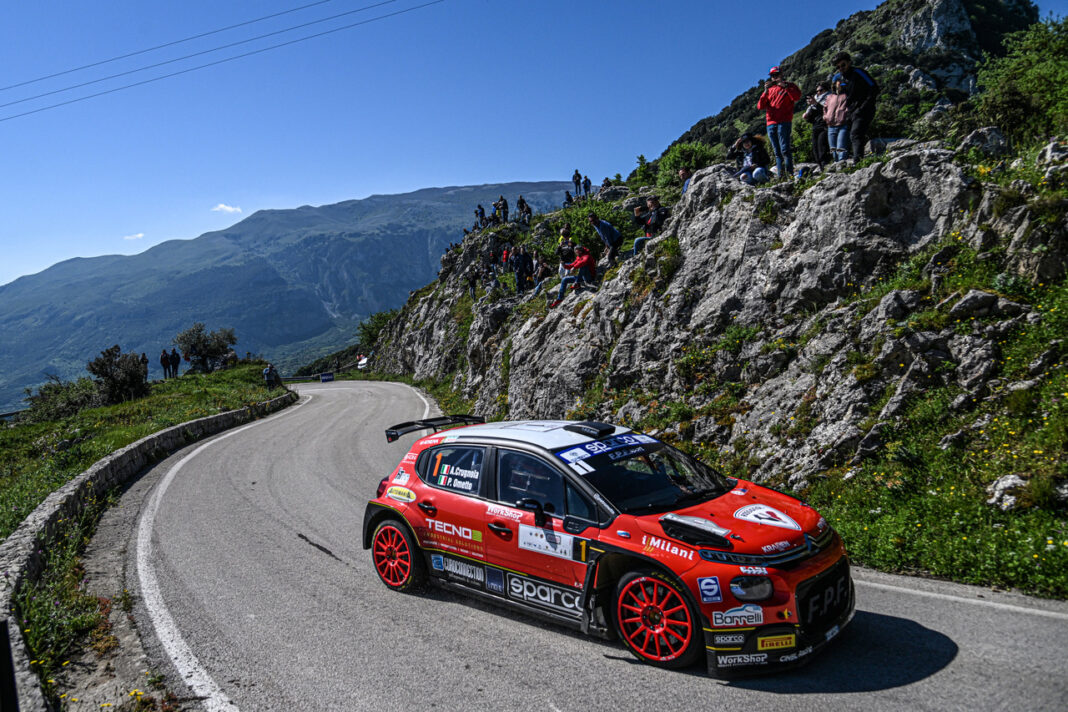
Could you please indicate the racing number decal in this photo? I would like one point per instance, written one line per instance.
(437, 466)
(580, 552)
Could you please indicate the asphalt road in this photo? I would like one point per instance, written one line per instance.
(256, 590)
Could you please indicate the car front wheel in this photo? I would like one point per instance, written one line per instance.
(397, 559)
(655, 620)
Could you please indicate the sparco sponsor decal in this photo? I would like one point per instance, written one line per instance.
(543, 594)
(777, 642)
(763, 514)
(709, 588)
(747, 615)
(729, 639)
(652, 544)
(450, 529)
(401, 494)
(750, 659)
(495, 510)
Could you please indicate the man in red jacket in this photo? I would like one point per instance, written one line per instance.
(778, 101)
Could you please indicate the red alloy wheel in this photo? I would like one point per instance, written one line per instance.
(392, 555)
(655, 620)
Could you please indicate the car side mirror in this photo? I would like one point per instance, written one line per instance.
(533, 505)
(574, 525)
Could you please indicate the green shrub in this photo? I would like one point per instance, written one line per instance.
(686, 155)
(59, 399)
(120, 377)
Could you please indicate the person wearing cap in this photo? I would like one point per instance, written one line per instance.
(750, 151)
(778, 102)
(861, 90)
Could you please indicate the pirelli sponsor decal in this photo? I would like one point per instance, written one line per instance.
(777, 642)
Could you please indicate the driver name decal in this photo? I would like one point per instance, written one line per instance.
(763, 514)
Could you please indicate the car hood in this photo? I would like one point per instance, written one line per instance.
(754, 519)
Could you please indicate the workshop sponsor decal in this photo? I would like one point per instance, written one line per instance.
(653, 545)
(777, 642)
(544, 595)
(710, 590)
(742, 659)
(460, 569)
(748, 615)
(553, 543)
(401, 494)
(768, 516)
(496, 510)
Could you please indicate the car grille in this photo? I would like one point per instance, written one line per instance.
(822, 598)
(783, 559)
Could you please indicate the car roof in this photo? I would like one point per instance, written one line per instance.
(549, 434)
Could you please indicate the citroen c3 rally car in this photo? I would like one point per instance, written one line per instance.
(614, 533)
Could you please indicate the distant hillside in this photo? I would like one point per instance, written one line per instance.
(292, 283)
(922, 52)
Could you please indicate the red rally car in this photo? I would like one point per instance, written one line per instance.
(614, 533)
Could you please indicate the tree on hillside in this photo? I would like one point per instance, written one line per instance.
(120, 377)
(206, 351)
(694, 156)
(372, 326)
(1026, 91)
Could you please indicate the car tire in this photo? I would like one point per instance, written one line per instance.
(656, 620)
(397, 559)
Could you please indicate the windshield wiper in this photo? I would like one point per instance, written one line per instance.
(697, 497)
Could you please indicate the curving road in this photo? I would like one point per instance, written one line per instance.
(257, 592)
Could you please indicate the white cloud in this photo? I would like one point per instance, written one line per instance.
(138, 236)
(224, 208)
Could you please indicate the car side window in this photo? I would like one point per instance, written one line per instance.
(456, 468)
(579, 506)
(521, 476)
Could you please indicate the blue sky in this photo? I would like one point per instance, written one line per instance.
(460, 92)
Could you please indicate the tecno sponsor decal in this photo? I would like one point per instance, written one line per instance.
(450, 529)
(729, 638)
(652, 544)
(777, 642)
(401, 494)
(763, 514)
(747, 615)
(744, 659)
(495, 510)
(543, 594)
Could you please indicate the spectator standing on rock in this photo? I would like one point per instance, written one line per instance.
(652, 219)
(835, 112)
(586, 185)
(609, 236)
(480, 215)
(778, 102)
(502, 206)
(472, 280)
(861, 90)
(685, 174)
(576, 178)
(144, 366)
(269, 376)
(165, 363)
(176, 361)
(753, 158)
(814, 115)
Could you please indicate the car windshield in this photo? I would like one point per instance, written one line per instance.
(641, 475)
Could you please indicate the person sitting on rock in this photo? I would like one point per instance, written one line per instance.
(777, 102)
(587, 273)
(568, 200)
(609, 236)
(685, 174)
(606, 183)
(861, 90)
(750, 152)
(565, 251)
(542, 275)
(652, 219)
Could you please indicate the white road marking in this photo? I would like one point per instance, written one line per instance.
(189, 668)
(961, 599)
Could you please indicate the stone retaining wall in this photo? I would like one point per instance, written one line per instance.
(21, 557)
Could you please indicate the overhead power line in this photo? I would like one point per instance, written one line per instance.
(197, 54)
(222, 61)
(163, 46)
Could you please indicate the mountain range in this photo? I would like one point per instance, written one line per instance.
(293, 284)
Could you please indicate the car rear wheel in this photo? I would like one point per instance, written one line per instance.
(655, 619)
(398, 561)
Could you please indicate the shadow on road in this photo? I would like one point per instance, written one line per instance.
(876, 652)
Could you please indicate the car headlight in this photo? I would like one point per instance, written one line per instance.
(752, 588)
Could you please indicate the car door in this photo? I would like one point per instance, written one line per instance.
(533, 543)
(452, 517)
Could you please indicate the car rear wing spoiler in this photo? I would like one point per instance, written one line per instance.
(434, 424)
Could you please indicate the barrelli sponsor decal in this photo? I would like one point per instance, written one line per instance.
(743, 659)
(401, 494)
(652, 545)
(710, 590)
(547, 541)
(748, 615)
(544, 595)
(763, 514)
(777, 642)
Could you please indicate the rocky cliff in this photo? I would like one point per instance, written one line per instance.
(780, 329)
